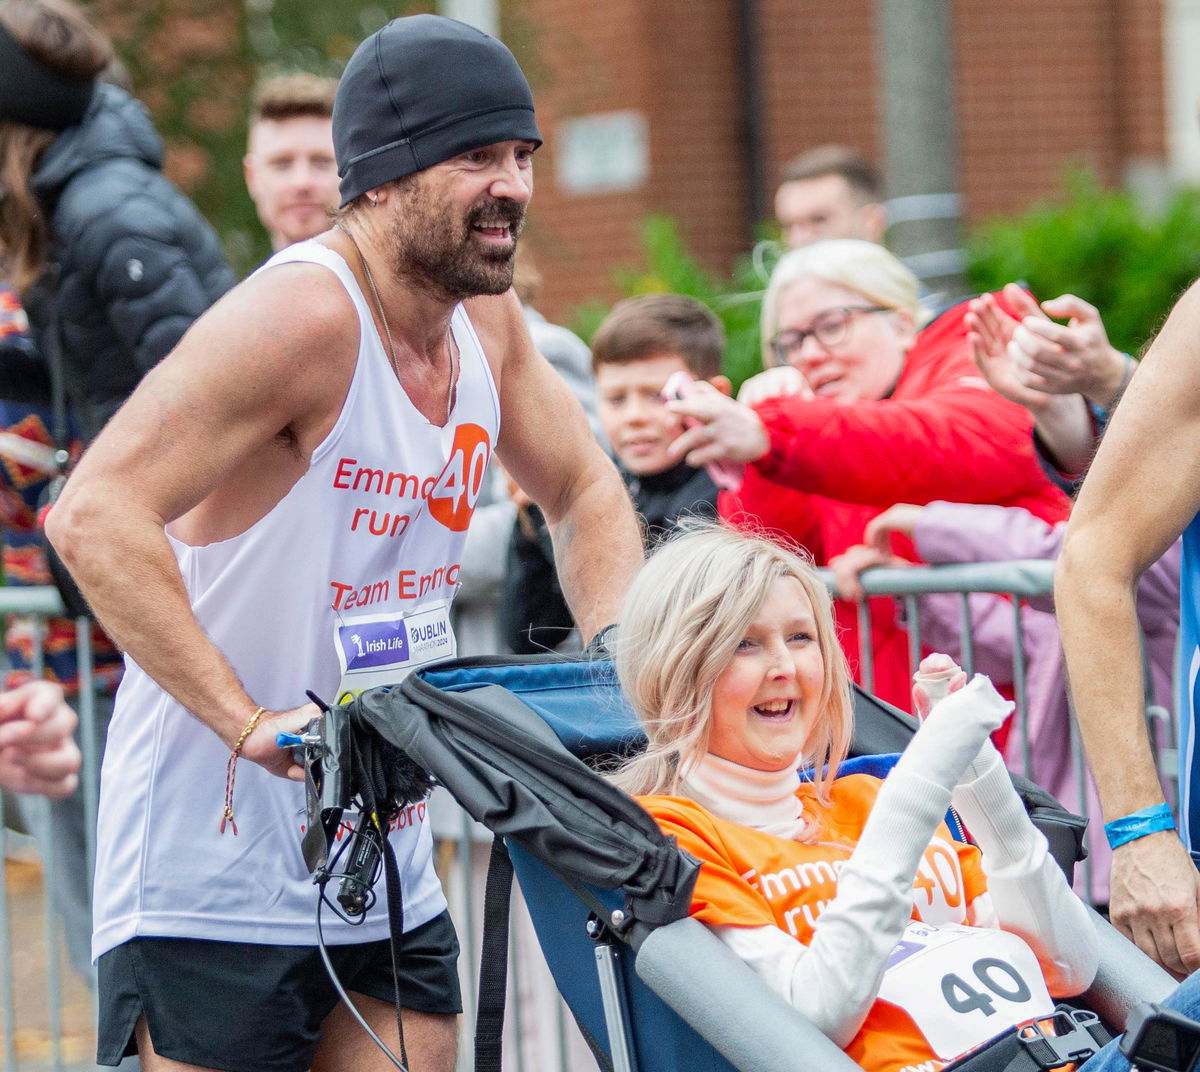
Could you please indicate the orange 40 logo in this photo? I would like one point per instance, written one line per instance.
(452, 499)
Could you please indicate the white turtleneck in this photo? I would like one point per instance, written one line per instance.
(761, 800)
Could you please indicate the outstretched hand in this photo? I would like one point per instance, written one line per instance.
(899, 517)
(724, 430)
(773, 383)
(990, 331)
(1031, 357)
(1075, 358)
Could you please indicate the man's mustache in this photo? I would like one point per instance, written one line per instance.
(503, 209)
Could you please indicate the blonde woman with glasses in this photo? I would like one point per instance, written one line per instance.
(864, 404)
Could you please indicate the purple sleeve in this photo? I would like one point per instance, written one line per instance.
(970, 532)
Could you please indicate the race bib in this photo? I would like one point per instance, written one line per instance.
(383, 649)
(964, 985)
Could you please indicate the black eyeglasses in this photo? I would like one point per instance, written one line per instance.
(831, 328)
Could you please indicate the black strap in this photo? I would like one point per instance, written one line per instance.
(49, 343)
(1079, 1034)
(395, 905)
(493, 960)
(374, 814)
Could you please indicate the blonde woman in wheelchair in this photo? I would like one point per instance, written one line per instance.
(911, 947)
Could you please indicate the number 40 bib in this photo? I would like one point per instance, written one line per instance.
(964, 985)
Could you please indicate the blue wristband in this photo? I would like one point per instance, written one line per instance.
(1138, 825)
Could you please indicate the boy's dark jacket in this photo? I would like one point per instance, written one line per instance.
(663, 498)
(533, 613)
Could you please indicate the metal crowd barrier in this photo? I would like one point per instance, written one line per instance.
(1018, 580)
(26, 1046)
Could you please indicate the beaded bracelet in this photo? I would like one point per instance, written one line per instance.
(1128, 828)
(231, 769)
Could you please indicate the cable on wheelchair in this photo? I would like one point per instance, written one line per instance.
(380, 780)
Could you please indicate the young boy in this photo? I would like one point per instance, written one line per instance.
(637, 348)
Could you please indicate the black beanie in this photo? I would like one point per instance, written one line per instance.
(32, 94)
(419, 91)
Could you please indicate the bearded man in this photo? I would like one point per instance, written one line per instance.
(283, 499)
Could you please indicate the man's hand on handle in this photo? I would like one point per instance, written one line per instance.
(260, 746)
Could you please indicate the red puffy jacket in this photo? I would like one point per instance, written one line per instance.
(942, 434)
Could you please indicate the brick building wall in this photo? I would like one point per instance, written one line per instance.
(1039, 87)
(675, 62)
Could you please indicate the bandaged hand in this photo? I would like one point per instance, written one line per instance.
(936, 677)
(955, 731)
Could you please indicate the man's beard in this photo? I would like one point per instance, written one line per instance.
(434, 248)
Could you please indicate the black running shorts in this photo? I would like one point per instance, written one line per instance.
(259, 1008)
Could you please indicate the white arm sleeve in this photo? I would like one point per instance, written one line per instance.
(1028, 890)
(835, 980)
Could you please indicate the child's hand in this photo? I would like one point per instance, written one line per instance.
(849, 566)
(902, 518)
(936, 677)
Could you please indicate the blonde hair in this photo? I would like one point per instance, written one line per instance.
(684, 615)
(863, 267)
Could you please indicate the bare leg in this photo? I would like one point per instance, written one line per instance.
(151, 1062)
(431, 1040)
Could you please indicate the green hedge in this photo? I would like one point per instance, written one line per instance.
(1132, 265)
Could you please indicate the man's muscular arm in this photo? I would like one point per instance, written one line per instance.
(239, 404)
(547, 446)
(1141, 492)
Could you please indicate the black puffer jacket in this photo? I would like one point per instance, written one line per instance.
(134, 262)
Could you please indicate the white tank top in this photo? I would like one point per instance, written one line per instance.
(345, 583)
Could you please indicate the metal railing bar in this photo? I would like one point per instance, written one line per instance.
(87, 732)
(1026, 578)
(1020, 692)
(31, 599)
(966, 634)
(912, 615)
(865, 653)
(6, 961)
(50, 916)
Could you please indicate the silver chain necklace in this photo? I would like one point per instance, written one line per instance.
(387, 331)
